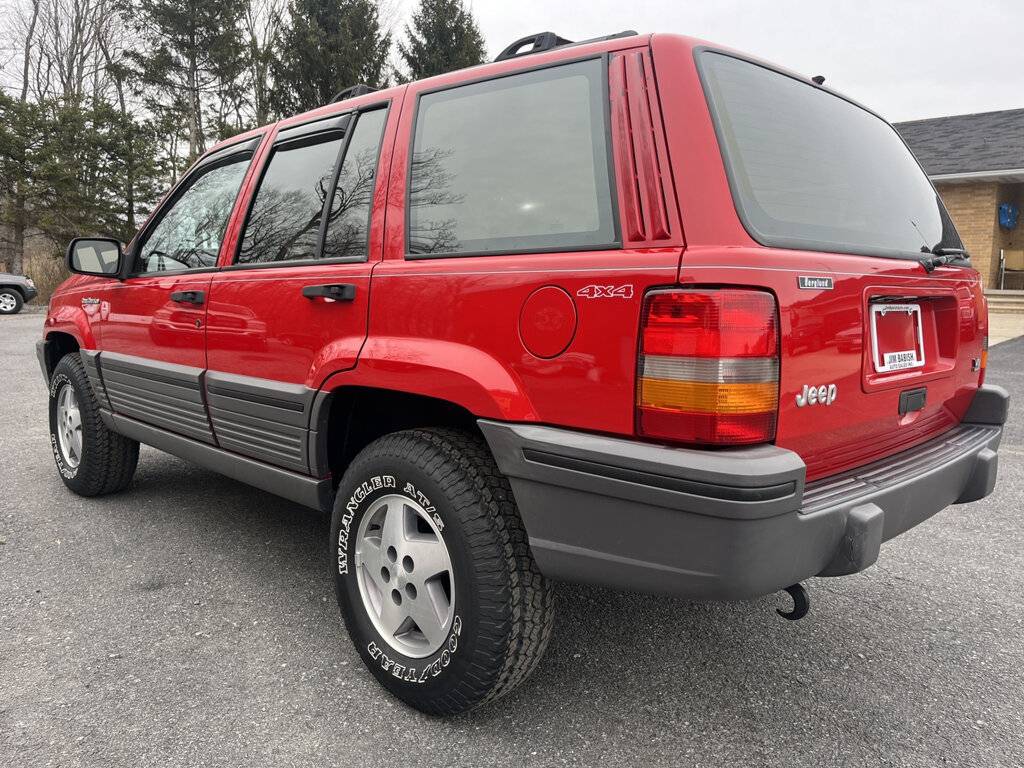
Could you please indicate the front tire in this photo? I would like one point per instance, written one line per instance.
(11, 301)
(426, 532)
(91, 459)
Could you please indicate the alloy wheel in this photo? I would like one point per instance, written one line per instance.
(405, 576)
(69, 426)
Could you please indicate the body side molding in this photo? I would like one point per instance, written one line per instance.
(265, 419)
(164, 394)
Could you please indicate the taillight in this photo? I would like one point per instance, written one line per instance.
(984, 360)
(709, 367)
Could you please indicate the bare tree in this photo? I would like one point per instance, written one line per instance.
(264, 22)
(66, 61)
(27, 49)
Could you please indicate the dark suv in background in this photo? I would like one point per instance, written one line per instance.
(15, 290)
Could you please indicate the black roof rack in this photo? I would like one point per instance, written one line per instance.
(351, 92)
(546, 41)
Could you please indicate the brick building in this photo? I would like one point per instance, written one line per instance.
(976, 162)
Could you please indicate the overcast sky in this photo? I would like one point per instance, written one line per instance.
(905, 58)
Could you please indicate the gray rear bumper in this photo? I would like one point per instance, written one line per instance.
(729, 524)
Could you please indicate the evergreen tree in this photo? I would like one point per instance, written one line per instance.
(194, 54)
(443, 36)
(20, 147)
(73, 164)
(329, 45)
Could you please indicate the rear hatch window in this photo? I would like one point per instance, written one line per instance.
(810, 170)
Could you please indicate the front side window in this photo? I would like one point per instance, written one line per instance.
(189, 233)
(519, 163)
(284, 222)
(810, 170)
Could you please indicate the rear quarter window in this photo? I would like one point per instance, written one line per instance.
(515, 164)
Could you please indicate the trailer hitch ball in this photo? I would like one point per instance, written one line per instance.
(801, 603)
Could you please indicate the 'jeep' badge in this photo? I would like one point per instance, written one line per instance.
(815, 283)
(823, 395)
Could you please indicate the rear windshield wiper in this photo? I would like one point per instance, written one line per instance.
(941, 256)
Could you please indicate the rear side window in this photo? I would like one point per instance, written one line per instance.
(516, 164)
(284, 222)
(810, 170)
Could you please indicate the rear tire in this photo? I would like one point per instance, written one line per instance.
(92, 460)
(458, 561)
(11, 301)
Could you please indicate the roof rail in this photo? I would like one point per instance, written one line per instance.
(546, 41)
(351, 92)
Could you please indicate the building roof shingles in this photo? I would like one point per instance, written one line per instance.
(986, 141)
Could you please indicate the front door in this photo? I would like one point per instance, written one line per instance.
(291, 307)
(154, 321)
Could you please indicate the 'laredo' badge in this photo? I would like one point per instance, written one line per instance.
(815, 283)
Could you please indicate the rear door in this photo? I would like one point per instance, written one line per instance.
(291, 307)
(154, 321)
(532, 215)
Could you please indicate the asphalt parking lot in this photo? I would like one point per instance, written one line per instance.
(191, 621)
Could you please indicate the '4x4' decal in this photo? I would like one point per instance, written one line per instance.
(606, 292)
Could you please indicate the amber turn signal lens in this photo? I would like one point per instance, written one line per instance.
(705, 397)
(984, 361)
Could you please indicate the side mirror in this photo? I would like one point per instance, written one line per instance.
(99, 256)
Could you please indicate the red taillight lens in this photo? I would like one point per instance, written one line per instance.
(709, 367)
(722, 323)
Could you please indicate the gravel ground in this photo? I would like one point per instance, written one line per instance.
(191, 621)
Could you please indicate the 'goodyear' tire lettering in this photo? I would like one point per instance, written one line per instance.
(411, 674)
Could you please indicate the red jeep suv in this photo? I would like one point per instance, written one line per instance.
(639, 311)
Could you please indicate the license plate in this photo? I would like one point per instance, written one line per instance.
(897, 339)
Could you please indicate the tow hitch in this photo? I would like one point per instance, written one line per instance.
(801, 603)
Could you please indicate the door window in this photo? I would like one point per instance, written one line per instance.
(284, 223)
(518, 163)
(189, 232)
(349, 219)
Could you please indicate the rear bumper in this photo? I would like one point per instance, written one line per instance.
(29, 292)
(728, 524)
